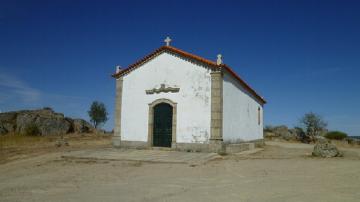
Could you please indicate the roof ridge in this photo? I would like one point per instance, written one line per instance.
(202, 59)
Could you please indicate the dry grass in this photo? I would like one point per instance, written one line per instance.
(14, 146)
(15, 140)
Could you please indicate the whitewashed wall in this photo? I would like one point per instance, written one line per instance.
(193, 99)
(240, 112)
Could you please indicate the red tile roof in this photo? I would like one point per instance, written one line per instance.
(190, 56)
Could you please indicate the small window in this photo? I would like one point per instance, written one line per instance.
(259, 116)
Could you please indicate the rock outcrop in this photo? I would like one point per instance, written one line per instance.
(323, 148)
(6, 122)
(283, 132)
(45, 121)
(82, 126)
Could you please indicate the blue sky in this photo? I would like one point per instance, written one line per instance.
(301, 56)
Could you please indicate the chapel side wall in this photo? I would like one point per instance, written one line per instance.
(193, 99)
(240, 112)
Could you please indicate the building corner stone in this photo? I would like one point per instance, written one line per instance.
(216, 122)
(116, 140)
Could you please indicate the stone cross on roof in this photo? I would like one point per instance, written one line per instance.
(219, 60)
(167, 41)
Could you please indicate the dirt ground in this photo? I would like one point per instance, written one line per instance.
(16, 147)
(281, 172)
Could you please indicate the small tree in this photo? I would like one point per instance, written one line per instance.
(97, 113)
(313, 124)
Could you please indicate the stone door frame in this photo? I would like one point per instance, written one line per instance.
(151, 120)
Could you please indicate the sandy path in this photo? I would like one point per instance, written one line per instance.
(279, 173)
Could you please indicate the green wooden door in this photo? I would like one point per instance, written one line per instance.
(162, 131)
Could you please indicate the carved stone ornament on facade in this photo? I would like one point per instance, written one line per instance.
(163, 89)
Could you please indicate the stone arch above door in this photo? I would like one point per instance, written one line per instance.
(151, 119)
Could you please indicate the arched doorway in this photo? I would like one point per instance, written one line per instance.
(162, 126)
(162, 123)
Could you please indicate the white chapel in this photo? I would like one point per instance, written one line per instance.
(172, 98)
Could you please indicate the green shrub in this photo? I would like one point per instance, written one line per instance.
(336, 135)
(31, 130)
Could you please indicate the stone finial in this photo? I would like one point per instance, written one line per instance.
(167, 41)
(219, 60)
(118, 68)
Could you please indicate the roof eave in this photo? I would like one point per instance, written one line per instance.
(247, 86)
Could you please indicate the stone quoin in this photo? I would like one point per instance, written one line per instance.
(171, 98)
